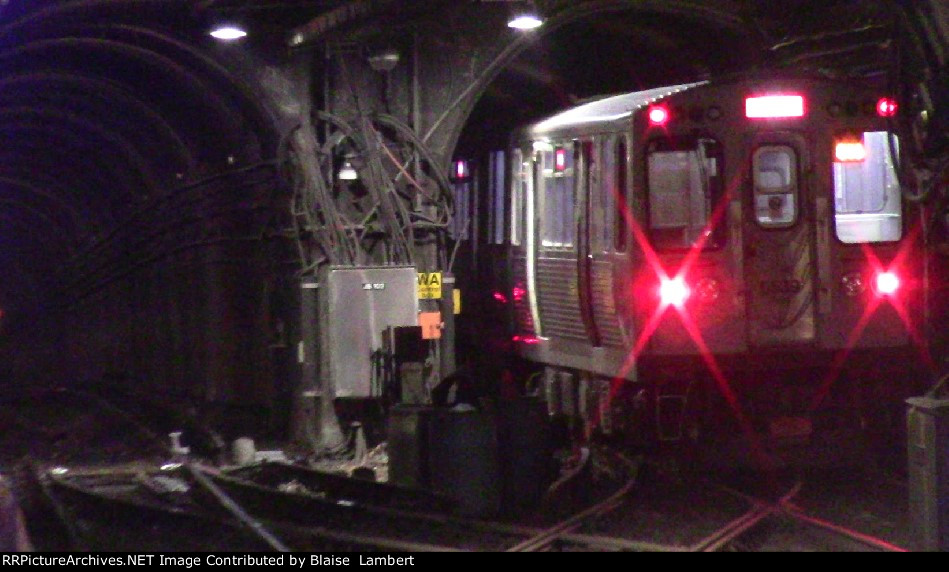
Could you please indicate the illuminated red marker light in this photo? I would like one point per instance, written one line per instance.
(849, 152)
(887, 107)
(887, 283)
(658, 115)
(774, 106)
(673, 292)
(560, 160)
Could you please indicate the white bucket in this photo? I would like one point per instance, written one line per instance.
(243, 451)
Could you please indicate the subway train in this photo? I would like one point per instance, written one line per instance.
(737, 259)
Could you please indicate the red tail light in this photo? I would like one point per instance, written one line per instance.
(887, 283)
(560, 160)
(674, 292)
(658, 115)
(886, 107)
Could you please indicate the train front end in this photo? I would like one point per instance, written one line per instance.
(778, 257)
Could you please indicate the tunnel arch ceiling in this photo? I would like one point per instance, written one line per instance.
(107, 109)
(710, 36)
(601, 47)
(619, 47)
(465, 46)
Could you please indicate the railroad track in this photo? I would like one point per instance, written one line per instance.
(359, 510)
(93, 502)
(283, 508)
(193, 498)
(120, 504)
(733, 535)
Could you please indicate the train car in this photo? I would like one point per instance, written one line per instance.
(736, 255)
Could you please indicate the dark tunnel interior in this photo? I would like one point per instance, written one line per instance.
(143, 188)
(140, 182)
(333, 282)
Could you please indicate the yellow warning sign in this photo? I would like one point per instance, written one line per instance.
(429, 285)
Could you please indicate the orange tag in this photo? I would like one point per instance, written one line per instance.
(431, 323)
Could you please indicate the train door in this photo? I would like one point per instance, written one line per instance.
(779, 235)
(588, 210)
(522, 282)
(602, 184)
(555, 265)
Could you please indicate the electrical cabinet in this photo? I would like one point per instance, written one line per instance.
(359, 305)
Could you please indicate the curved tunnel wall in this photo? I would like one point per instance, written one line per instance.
(138, 191)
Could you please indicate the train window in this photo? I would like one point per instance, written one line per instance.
(520, 179)
(619, 193)
(867, 194)
(461, 223)
(558, 227)
(602, 200)
(775, 180)
(496, 198)
(684, 185)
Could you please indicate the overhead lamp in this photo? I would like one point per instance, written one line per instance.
(347, 172)
(228, 32)
(384, 60)
(524, 16)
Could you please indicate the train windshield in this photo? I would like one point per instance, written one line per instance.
(684, 187)
(775, 186)
(867, 193)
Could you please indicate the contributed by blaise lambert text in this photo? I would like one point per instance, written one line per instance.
(194, 561)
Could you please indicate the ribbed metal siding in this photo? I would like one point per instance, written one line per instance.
(604, 305)
(558, 299)
(522, 307)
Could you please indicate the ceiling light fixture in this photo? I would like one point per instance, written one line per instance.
(347, 172)
(384, 60)
(524, 16)
(228, 33)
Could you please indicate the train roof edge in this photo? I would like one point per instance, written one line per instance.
(605, 110)
(610, 109)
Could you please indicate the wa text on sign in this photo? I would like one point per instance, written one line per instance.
(429, 285)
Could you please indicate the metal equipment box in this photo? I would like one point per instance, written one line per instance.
(359, 304)
(928, 451)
